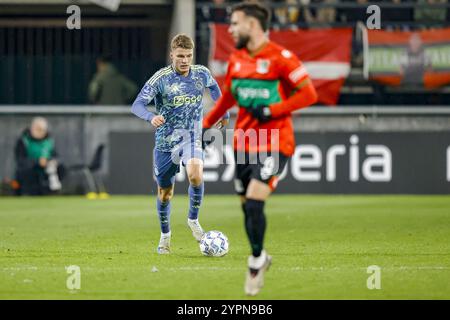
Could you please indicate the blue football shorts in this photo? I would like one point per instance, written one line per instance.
(167, 164)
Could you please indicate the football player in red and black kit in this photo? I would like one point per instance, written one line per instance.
(267, 82)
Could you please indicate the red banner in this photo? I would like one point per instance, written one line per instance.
(401, 58)
(325, 54)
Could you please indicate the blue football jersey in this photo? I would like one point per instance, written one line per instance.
(179, 99)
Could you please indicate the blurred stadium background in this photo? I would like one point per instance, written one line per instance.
(373, 132)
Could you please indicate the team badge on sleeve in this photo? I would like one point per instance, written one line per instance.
(297, 74)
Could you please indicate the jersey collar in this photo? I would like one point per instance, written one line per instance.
(179, 74)
(259, 50)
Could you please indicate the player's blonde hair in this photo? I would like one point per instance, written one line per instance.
(182, 41)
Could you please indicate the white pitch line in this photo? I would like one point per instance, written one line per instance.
(313, 268)
(198, 268)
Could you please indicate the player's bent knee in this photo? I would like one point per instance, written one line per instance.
(195, 173)
(165, 195)
(195, 179)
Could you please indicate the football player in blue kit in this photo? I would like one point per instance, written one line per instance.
(177, 91)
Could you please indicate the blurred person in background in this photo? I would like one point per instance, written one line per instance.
(37, 170)
(109, 86)
(414, 62)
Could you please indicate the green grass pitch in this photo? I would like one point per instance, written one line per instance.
(321, 248)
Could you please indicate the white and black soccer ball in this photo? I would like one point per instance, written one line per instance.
(214, 244)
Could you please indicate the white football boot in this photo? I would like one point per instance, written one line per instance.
(164, 243)
(255, 273)
(197, 230)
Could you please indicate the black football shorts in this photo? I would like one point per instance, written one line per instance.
(265, 167)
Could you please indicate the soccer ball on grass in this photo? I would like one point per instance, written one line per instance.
(214, 244)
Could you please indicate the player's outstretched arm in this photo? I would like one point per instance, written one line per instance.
(215, 95)
(225, 102)
(142, 100)
(305, 96)
(294, 72)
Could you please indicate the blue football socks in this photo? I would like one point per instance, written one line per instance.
(164, 215)
(195, 200)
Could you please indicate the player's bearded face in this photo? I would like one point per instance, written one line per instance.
(242, 41)
(239, 29)
(182, 59)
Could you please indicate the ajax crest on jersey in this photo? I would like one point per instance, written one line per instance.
(199, 85)
(214, 244)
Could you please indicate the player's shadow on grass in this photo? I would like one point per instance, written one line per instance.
(191, 256)
(227, 257)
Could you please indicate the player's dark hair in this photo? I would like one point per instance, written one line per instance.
(256, 10)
